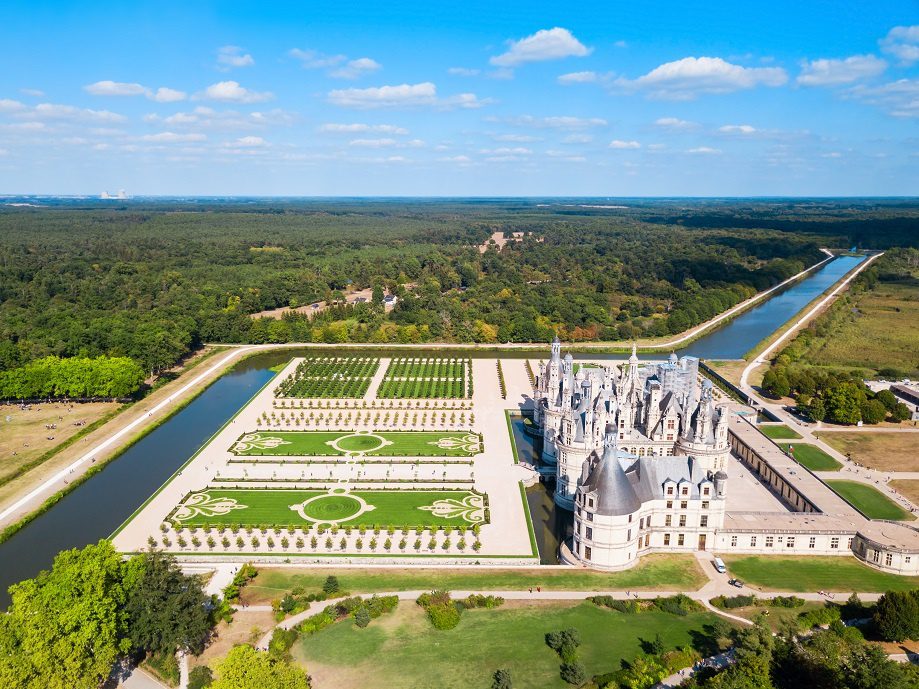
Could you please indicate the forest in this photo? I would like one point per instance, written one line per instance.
(153, 279)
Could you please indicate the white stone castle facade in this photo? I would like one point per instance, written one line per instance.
(638, 453)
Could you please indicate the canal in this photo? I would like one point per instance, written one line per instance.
(96, 508)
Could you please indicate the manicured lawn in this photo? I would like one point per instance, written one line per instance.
(870, 501)
(810, 574)
(426, 378)
(654, 572)
(778, 432)
(403, 650)
(398, 508)
(382, 444)
(778, 618)
(882, 451)
(812, 457)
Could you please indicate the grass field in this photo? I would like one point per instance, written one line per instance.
(654, 573)
(381, 444)
(869, 501)
(24, 437)
(778, 432)
(778, 618)
(402, 650)
(809, 574)
(908, 489)
(871, 334)
(881, 451)
(398, 508)
(812, 457)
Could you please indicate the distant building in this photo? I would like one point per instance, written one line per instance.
(121, 195)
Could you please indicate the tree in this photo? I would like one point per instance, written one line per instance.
(897, 616)
(167, 609)
(331, 585)
(574, 673)
(900, 413)
(246, 668)
(200, 677)
(362, 617)
(67, 623)
(816, 409)
(887, 398)
(502, 680)
(657, 646)
(844, 403)
(873, 411)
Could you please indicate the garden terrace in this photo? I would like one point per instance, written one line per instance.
(369, 419)
(329, 377)
(427, 378)
(338, 506)
(395, 444)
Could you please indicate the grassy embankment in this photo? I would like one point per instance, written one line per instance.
(805, 574)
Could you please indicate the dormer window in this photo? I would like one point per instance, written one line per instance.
(669, 490)
(706, 491)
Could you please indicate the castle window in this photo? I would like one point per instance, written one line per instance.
(834, 543)
(666, 539)
(683, 504)
(790, 543)
(705, 504)
(670, 436)
(682, 520)
(685, 490)
(641, 523)
(586, 552)
(733, 541)
(907, 559)
(876, 555)
(668, 520)
(888, 559)
(703, 520)
(669, 490)
(590, 502)
(590, 534)
(628, 535)
(812, 543)
(849, 544)
(670, 425)
(647, 540)
(630, 519)
(706, 491)
(752, 541)
(768, 541)
(679, 539)
(670, 504)
(590, 516)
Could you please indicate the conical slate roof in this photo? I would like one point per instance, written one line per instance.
(615, 495)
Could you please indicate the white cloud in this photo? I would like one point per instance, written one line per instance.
(557, 122)
(167, 95)
(507, 151)
(516, 138)
(463, 72)
(203, 117)
(899, 98)
(55, 111)
(620, 144)
(249, 142)
(230, 56)
(826, 72)
(737, 129)
(36, 93)
(356, 68)
(546, 44)
(577, 139)
(621, 44)
(456, 159)
(401, 96)
(903, 43)
(674, 123)
(373, 143)
(10, 105)
(312, 59)
(118, 88)
(578, 78)
(704, 150)
(688, 78)
(231, 91)
(172, 137)
(115, 88)
(357, 128)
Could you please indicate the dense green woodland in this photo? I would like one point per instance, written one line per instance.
(151, 280)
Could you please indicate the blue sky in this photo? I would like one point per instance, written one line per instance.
(472, 98)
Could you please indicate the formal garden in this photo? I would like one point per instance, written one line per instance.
(339, 506)
(365, 443)
(329, 377)
(427, 378)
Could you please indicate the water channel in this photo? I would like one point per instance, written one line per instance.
(96, 508)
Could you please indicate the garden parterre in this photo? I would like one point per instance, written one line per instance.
(329, 377)
(383, 444)
(427, 378)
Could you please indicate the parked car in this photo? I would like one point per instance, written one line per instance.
(736, 582)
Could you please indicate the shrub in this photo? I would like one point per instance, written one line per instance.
(281, 641)
(821, 616)
(331, 585)
(626, 606)
(200, 677)
(679, 604)
(474, 600)
(362, 617)
(573, 673)
(502, 680)
(442, 611)
(730, 602)
(786, 602)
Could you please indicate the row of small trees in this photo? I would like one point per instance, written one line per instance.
(75, 377)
